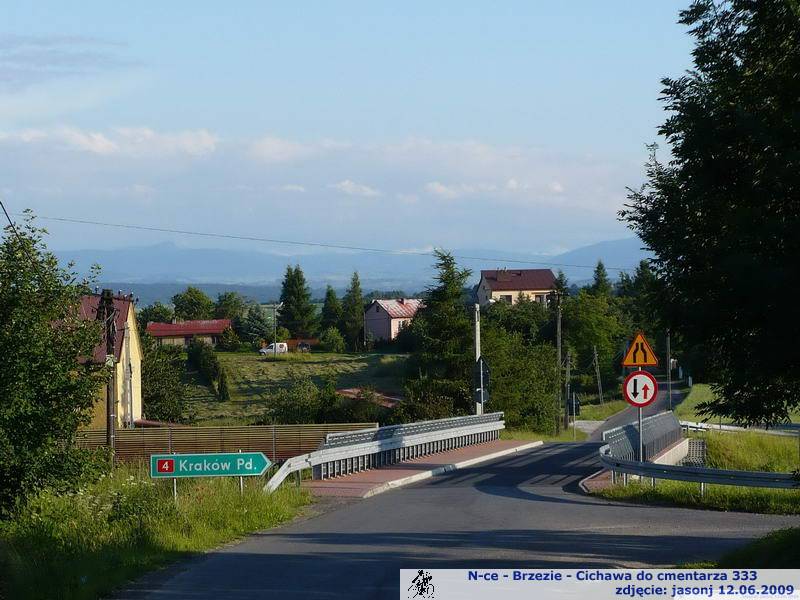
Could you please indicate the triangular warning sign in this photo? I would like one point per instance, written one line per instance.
(640, 353)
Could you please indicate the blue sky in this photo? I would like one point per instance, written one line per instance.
(402, 125)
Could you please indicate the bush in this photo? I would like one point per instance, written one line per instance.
(201, 356)
(163, 392)
(428, 399)
(332, 341)
(229, 341)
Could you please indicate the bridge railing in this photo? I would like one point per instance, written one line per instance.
(350, 452)
(619, 456)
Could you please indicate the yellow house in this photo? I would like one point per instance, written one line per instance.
(506, 285)
(126, 380)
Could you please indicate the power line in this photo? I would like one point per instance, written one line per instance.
(313, 244)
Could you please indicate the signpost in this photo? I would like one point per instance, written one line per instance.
(226, 464)
(640, 388)
(480, 376)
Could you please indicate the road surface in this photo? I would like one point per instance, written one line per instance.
(520, 511)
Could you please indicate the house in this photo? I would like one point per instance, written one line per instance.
(126, 382)
(383, 319)
(506, 285)
(182, 333)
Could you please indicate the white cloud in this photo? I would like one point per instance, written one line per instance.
(293, 188)
(351, 188)
(140, 142)
(458, 190)
(277, 150)
(556, 187)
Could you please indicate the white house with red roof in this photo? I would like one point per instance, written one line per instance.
(181, 333)
(384, 319)
(507, 285)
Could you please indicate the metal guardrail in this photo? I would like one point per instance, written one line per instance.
(342, 454)
(659, 432)
(619, 457)
(692, 426)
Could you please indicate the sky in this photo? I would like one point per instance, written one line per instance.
(407, 125)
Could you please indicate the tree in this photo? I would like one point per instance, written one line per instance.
(193, 304)
(352, 323)
(230, 305)
(722, 216)
(163, 392)
(601, 284)
(562, 283)
(443, 327)
(229, 340)
(332, 341)
(331, 310)
(297, 314)
(46, 390)
(155, 313)
(256, 326)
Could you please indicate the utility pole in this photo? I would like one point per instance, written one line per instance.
(105, 314)
(558, 361)
(669, 373)
(478, 405)
(597, 372)
(566, 392)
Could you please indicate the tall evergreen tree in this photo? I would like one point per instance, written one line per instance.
(298, 315)
(331, 310)
(562, 283)
(722, 215)
(601, 284)
(256, 324)
(352, 323)
(444, 325)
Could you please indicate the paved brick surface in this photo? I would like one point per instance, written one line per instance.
(357, 485)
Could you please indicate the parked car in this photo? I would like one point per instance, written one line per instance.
(281, 348)
(304, 347)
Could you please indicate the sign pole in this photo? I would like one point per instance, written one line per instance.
(669, 373)
(641, 444)
(478, 405)
(241, 481)
(174, 479)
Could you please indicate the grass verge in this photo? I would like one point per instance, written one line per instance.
(776, 550)
(82, 545)
(739, 451)
(600, 412)
(701, 392)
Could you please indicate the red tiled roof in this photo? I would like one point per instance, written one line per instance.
(503, 280)
(401, 308)
(122, 304)
(205, 327)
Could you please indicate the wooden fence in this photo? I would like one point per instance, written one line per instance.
(278, 442)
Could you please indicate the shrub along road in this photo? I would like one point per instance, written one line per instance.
(521, 511)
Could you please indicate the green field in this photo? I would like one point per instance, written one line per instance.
(737, 451)
(701, 392)
(253, 379)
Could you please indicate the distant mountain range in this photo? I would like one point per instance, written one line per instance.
(159, 271)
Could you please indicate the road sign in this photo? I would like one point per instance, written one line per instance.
(640, 388)
(226, 464)
(640, 353)
(480, 377)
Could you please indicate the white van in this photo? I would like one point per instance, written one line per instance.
(282, 348)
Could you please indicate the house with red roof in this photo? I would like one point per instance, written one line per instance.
(126, 376)
(384, 319)
(507, 285)
(181, 333)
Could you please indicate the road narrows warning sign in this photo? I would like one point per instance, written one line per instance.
(640, 353)
(640, 388)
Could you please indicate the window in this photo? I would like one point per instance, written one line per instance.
(540, 298)
(507, 298)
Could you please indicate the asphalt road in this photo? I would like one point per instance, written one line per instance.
(520, 511)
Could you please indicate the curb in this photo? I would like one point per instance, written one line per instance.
(582, 482)
(390, 485)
